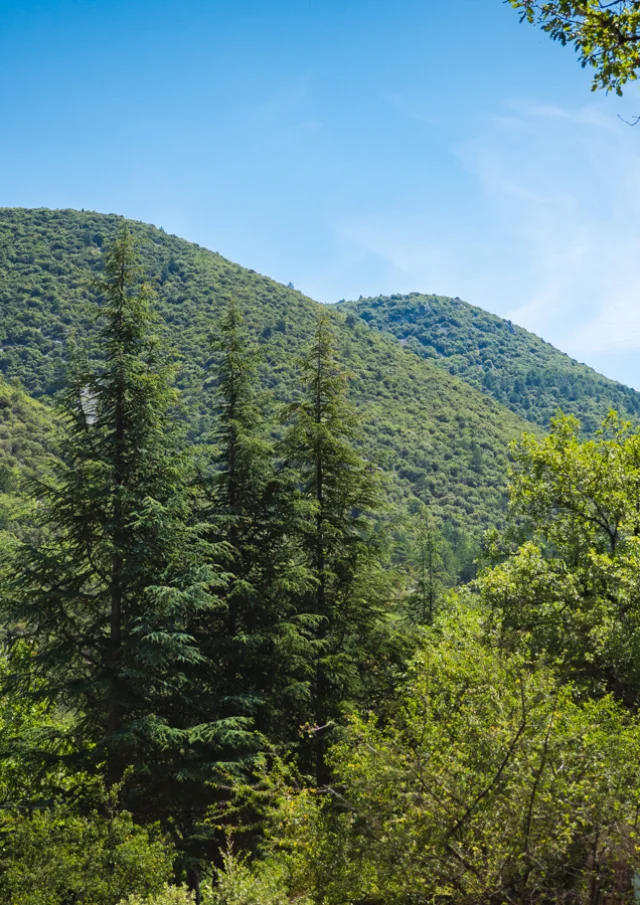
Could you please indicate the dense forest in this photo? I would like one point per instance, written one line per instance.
(250, 655)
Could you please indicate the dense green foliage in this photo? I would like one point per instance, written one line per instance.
(434, 436)
(173, 601)
(169, 895)
(492, 784)
(515, 367)
(506, 768)
(216, 616)
(569, 584)
(604, 33)
(57, 856)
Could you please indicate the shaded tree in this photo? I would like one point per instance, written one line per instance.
(257, 640)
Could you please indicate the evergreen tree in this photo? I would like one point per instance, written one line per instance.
(259, 641)
(105, 604)
(337, 538)
(429, 572)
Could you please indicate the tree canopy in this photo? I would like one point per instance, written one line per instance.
(604, 33)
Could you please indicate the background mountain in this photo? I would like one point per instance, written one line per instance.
(431, 434)
(513, 366)
(436, 437)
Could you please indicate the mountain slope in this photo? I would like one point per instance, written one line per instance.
(28, 435)
(513, 366)
(28, 438)
(427, 430)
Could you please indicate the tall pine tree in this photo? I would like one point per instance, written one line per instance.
(428, 571)
(259, 641)
(338, 539)
(105, 605)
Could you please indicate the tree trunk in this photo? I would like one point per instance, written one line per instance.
(115, 626)
(193, 884)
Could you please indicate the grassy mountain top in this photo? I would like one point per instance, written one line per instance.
(432, 435)
(513, 366)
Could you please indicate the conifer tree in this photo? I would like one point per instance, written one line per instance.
(337, 539)
(105, 603)
(258, 639)
(429, 572)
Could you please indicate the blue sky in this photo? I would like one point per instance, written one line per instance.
(353, 147)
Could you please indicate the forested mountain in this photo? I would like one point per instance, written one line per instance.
(513, 366)
(434, 436)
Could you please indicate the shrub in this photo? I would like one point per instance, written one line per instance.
(55, 857)
(169, 895)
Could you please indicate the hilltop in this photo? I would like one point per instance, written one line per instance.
(516, 368)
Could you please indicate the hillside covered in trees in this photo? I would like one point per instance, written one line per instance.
(516, 368)
(433, 436)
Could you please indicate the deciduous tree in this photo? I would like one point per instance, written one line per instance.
(604, 33)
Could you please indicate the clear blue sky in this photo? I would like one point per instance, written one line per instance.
(353, 147)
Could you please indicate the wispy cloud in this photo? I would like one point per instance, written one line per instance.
(564, 186)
